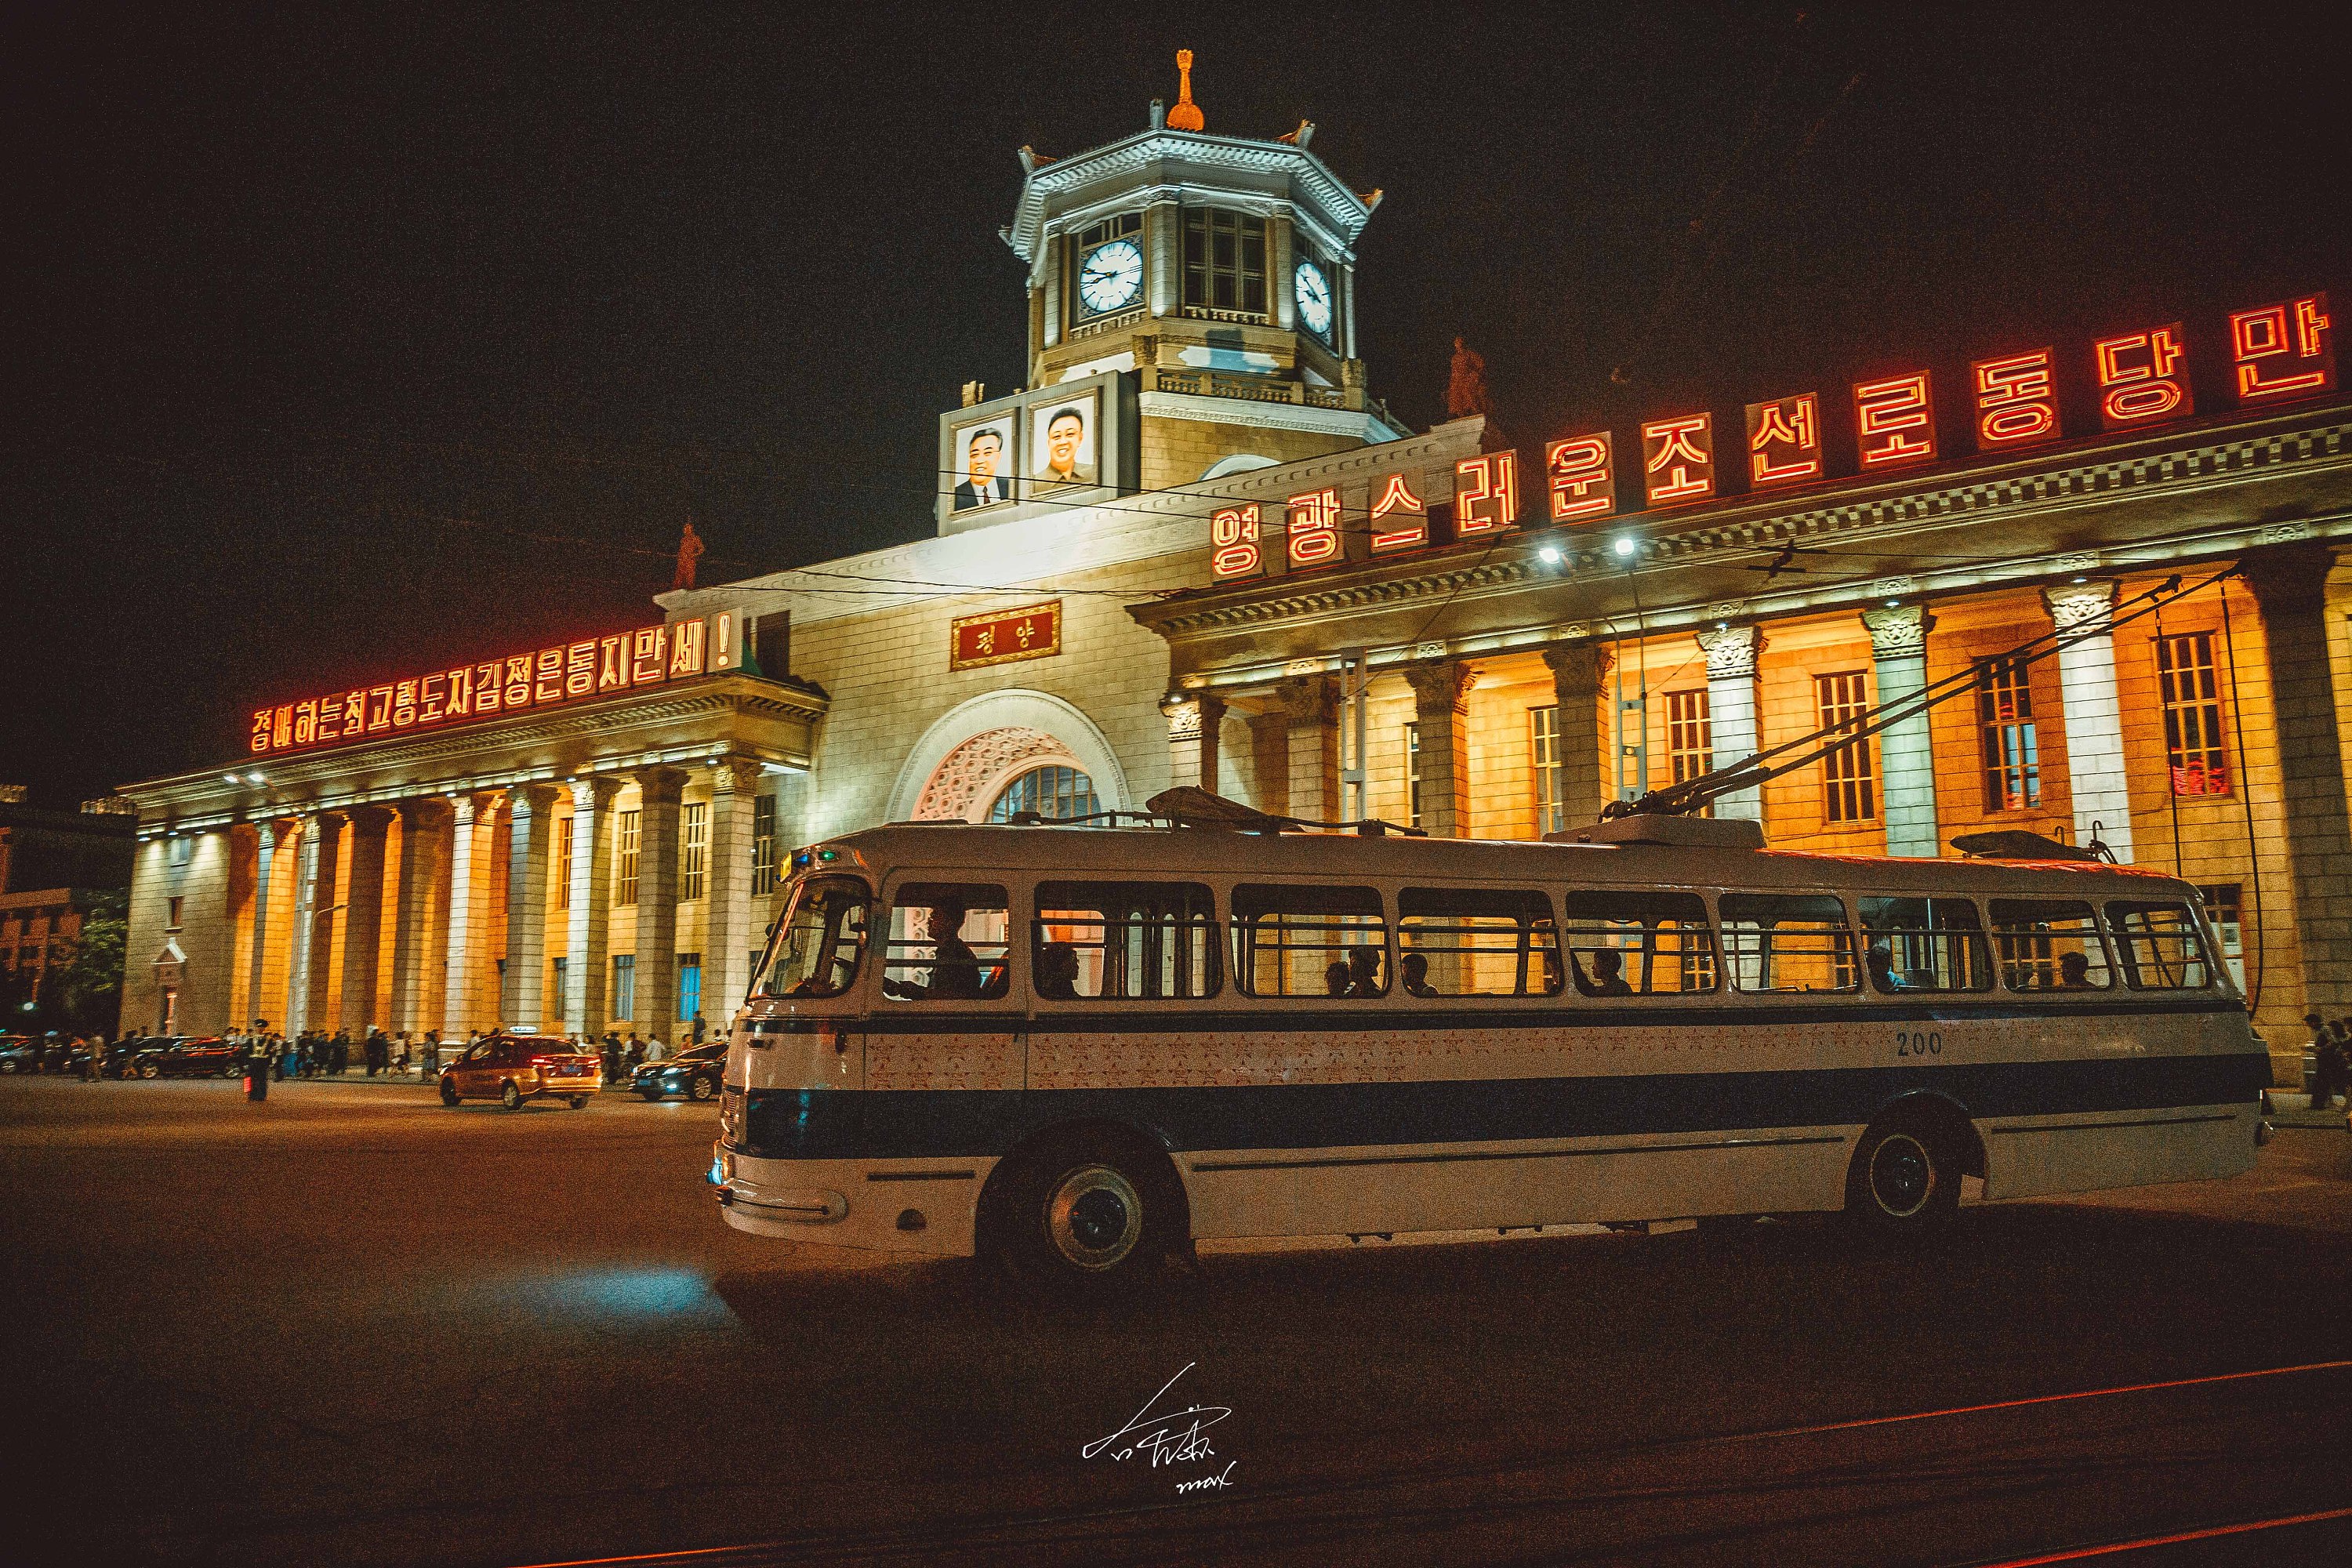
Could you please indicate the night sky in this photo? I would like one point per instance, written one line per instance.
(345, 347)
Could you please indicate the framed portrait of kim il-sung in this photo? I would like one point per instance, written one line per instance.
(1062, 444)
(982, 462)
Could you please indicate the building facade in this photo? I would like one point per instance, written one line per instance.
(1195, 550)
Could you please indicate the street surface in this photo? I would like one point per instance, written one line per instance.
(351, 1326)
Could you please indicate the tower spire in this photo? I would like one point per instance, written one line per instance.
(1186, 115)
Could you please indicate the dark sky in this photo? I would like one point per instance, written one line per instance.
(345, 347)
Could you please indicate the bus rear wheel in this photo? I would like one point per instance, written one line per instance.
(1904, 1181)
(1089, 1215)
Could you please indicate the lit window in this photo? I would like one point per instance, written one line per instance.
(1225, 261)
(626, 892)
(1787, 942)
(694, 850)
(1145, 940)
(2225, 907)
(1476, 941)
(625, 983)
(562, 862)
(1846, 790)
(2012, 761)
(2192, 715)
(1551, 778)
(1412, 774)
(2049, 945)
(1690, 734)
(1309, 942)
(690, 986)
(2158, 946)
(173, 923)
(1055, 794)
(763, 845)
(182, 850)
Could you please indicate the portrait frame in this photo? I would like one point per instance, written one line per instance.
(1045, 412)
(1004, 425)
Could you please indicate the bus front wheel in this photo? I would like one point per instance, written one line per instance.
(1904, 1180)
(1089, 1215)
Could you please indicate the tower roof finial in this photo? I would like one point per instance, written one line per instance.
(1186, 115)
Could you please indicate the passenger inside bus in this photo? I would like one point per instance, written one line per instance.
(955, 968)
(1608, 974)
(1881, 962)
(1364, 971)
(1335, 978)
(1414, 973)
(2073, 972)
(1057, 972)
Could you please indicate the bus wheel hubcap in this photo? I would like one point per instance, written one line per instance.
(1901, 1175)
(1095, 1217)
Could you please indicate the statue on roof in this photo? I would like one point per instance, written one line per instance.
(689, 551)
(1466, 388)
(1186, 115)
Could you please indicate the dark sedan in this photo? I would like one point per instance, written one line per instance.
(694, 1072)
(184, 1056)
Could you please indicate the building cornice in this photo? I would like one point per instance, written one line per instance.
(1356, 424)
(1343, 211)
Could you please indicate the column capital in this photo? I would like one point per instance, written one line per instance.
(1440, 685)
(2081, 605)
(593, 792)
(423, 811)
(2288, 577)
(368, 818)
(740, 775)
(1899, 631)
(1189, 712)
(1731, 651)
(661, 783)
(1578, 667)
(471, 806)
(538, 797)
(1305, 698)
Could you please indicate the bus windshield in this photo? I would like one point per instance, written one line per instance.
(820, 941)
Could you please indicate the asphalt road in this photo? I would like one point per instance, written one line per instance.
(351, 1326)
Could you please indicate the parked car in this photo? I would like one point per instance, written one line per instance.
(694, 1072)
(513, 1069)
(15, 1053)
(184, 1056)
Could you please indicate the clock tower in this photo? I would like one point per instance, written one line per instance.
(1219, 270)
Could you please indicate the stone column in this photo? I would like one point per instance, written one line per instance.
(2094, 713)
(1193, 719)
(656, 1006)
(362, 922)
(727, 889)
(423, 829)
(2289, 584)
(1270, 759)
(590, 938)
(523, 995)
(1577, 670)
(321, 857)
(1163, 223)
(264, 866)
(1280, 260)
(469, 876)
(1308, 705)
(299, 943)
(1906, 754)
(1731, 655)
(1441, 698)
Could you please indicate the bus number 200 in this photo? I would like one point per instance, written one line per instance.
(1918, 1045)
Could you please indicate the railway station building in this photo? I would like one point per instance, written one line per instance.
(1194, 549)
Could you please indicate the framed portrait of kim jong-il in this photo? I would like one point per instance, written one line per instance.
(984, 466)
(1043, 451)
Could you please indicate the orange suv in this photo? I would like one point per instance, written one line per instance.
(513, 1069)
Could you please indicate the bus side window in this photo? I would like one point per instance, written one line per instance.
(1125, 939)
(1476, 941)
(1309, 942)
(819, 941)
(1923, 944)
(2158, 946)
(948, 943)
(2049, 945)
(1787, 942)
(1627, 943)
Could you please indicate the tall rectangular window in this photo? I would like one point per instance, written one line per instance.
(562, 862)
(1225, 261)
(1412, 775)
(1551, 778)
(693, 849)
(690, 986)
(183, 851)
(2192, 714)
(558, 971)
(2225, 907)
(1847, 794)
(2013, 761)
(171, 921)
(624, 985)
(625, 858)
(763, 845)
(1690, 733)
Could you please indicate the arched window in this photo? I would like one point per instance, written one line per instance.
(1050, 792)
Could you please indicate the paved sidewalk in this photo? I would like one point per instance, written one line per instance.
(2289, 1109)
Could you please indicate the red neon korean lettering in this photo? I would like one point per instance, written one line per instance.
(330, 717)
(461, 691)
(259, 740)
(2283, 351)
(649, 654)
(1784, 439)
(547, 686)
(612, 662)
(685, 649)
(1314, 528)
(306, 721)
(2017, 399)
(1410, 528)
(432, 698)
(1233, 544)
(518, 678)
(403, 705)
(1581, 473)
(379, 709)
(354, 713)
(2143, 376)
(580, 670)
(1485, 493)
(1678, 458)
(1894, 420)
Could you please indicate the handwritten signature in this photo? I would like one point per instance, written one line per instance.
(1173, 1437)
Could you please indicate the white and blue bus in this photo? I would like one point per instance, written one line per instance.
(1080, 1048)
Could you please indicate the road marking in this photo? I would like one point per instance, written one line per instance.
(2076, 1554)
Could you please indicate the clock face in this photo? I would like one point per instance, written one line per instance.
(1314, 292)
(1112, 275)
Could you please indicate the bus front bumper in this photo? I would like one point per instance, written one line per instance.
(841, 1203)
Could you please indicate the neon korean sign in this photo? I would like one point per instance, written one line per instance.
(2017, 400)
(2282, 350)
(594, 667)
(2143, 376)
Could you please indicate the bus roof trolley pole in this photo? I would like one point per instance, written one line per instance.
(1695, 794)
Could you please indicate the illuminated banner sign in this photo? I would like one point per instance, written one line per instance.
(2141, 378)
(595, 667)
(1034, 631)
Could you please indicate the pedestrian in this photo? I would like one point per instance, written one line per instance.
(40, 1053)
(339, 1053)
(698, 1028)
(2329, 1070)
(94, 1068)
(637, 1056)
(612, 1057)
(432, 1055)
